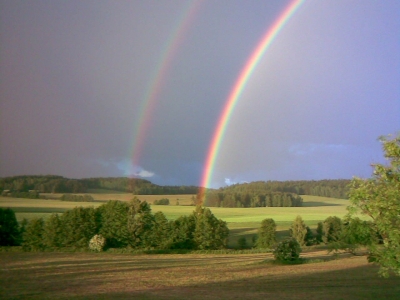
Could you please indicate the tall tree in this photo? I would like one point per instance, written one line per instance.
(379, 198)
(266, 234)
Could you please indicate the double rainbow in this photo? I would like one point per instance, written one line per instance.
(239, 86)
(153, 91)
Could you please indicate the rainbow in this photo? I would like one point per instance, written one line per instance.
(153, 91)
(239, 86)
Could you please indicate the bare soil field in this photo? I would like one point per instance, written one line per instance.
(189, 276)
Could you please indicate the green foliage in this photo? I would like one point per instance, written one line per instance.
(79, 226)
(163, 201)
(266, 234)
(288, 250)
(242, 242)
(53, 232)
(33, 235)
(9, 228)
(182, 233)
(114, 223)
(139, 223)
(356, 234)
(210, 232)
(331, 230)
(379, 198)
(160, 235)
(301, 232)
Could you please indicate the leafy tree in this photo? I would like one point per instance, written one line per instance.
(53, 232)
(182, 233)
(301, 232)
(266, 234)
(160, 235)
(139, 223)
(114, 223)
(33, 235)
(379, 198)
(9, 228)
(288, 250)
(79, 226)
(210, 232)
(331, 230)
(357, 233)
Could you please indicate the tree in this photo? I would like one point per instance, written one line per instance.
(266, 234)
(114, 223)
(53, 232)
(210, 232)
(331, 230)
(9, 228)
(300, 231)
(139, 223)
(79, 226)
(379, 199)
(33, 235)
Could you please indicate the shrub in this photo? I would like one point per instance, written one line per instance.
(301, 232)
(163, 201)
(242, 242)
(97, 243)
(288, 250)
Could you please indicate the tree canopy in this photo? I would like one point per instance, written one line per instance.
(379, 198)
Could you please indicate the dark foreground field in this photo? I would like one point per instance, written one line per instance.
(189, 276)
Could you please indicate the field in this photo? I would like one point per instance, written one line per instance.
(241, 221)
(190, 276)
(56, 275)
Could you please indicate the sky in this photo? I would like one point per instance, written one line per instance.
(136, 88)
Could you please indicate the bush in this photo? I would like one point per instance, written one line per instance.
(97, 243)
(301, 232)
(287, 251)
(242, 242)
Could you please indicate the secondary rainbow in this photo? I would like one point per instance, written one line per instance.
(155, 87)
(239, 86)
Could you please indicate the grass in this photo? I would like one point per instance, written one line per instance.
(190, 276)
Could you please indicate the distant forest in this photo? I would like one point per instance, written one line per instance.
(59, 184)
(260, 193)
(274, 193)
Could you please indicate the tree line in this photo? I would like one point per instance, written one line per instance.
(120, 224)
(227, 198)
(59, 184)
